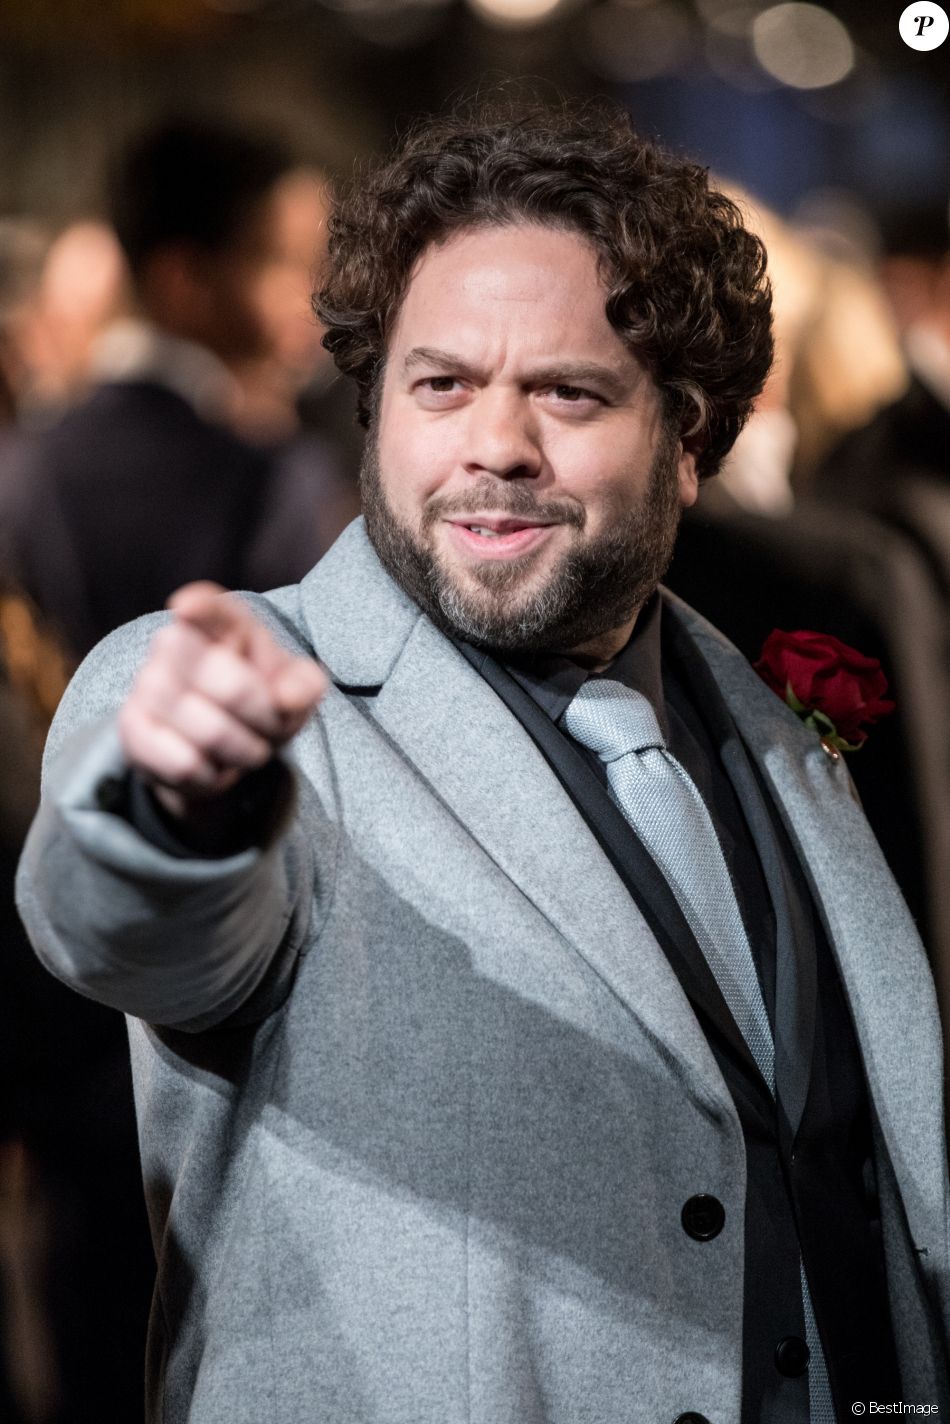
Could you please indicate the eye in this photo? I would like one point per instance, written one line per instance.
(437, 385)
(437, 392)
(564, 394)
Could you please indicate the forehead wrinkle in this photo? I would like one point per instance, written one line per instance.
(609, 378)
(542, 371)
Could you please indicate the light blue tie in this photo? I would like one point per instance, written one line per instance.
(669, 815)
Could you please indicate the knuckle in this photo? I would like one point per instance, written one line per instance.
(255, 755)
(218, 736)
(223, 676)
(151, 682)
(165, 643)
(142, 748)
(189, 766)
(223, 750)
(206, 729)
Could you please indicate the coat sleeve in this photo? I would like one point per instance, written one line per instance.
(178, 941)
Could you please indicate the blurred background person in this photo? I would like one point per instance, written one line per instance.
(846, 363)
(838, 360)
(23, 248)
(291, 401)
(56, 297)
(146, 483)
(83, 287)
(292, 355)
(897, 465)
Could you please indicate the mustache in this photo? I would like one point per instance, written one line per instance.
(513, 501)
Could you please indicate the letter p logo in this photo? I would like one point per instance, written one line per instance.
(924, 25)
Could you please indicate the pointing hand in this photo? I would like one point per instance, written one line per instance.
(215, 699)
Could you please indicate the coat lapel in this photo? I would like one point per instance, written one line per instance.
(881, 961)
(795, 965)
(631, 861)
(487, 772)
(467, 744)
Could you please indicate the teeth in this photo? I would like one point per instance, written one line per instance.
(486, 533)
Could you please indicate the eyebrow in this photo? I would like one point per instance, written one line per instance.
(564, 373)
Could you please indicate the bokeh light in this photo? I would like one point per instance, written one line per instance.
(804, 46)
(513, 14)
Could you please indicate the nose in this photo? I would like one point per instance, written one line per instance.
(501, 437)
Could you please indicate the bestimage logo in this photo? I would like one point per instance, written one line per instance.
(924, 25)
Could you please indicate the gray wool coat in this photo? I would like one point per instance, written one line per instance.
(420, 1096)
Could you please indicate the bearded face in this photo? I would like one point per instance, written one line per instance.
(520, 482)
(529, 603)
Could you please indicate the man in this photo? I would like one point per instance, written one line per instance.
(492, 1081)
(145, 484)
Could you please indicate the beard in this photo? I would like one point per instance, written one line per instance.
(594, 588)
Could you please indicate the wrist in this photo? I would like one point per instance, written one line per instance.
(247, 814)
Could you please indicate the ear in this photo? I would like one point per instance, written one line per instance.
(686, 477)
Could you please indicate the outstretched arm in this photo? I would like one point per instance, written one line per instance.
(186, 938)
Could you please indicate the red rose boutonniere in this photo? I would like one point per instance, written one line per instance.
(834, 689)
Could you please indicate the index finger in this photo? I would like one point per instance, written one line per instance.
(222, 617)
(216, 613)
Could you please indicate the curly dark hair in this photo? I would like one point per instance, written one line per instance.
(686, 285)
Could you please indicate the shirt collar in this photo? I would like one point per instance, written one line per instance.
(554, 682)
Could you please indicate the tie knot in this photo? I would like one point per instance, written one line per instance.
(612, 720)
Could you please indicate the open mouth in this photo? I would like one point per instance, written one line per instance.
(498, 538)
